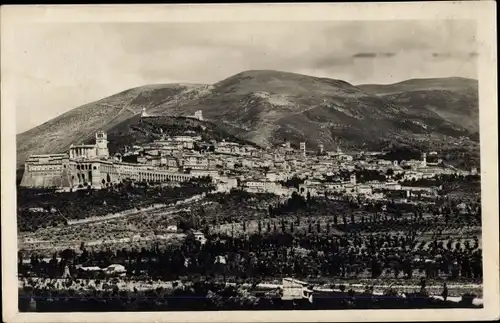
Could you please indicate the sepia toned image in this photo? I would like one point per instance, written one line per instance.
(223, 165)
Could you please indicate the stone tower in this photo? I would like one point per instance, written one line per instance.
(321, 148)
(101, 141)
(199, 115)
(144, 113)
(424, 159)
(303, 148)
(353, 179)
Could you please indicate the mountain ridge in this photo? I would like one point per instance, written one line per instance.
(269, 107)
(416, 84)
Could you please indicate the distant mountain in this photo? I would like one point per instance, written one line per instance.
(270, 107)
(453, 99)
(444, 84)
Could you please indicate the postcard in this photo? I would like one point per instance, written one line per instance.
(250, 162)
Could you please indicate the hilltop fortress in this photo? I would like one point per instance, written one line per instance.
(89, 165)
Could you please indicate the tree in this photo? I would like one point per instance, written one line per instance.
(67, 254)
(327, 227)
(318, 226)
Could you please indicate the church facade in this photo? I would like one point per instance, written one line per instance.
(89, 165)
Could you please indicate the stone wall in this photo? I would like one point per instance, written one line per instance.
(45, 178)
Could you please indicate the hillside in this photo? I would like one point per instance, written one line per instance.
(80, 124)
(452, 99)
(138, 131)
(269, 107)
(444, 84)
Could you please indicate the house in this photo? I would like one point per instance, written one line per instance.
(364, 189)
(199, 236)
(296, 289)
(115, 269)
(172, 228)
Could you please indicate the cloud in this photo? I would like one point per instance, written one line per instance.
(441, 55)
(387, 54)
(365, 55)
(462, 56)
(373, 55)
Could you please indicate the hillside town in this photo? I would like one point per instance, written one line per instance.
(246, 167)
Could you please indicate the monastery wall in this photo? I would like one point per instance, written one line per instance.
(96, 173)
(46, 176)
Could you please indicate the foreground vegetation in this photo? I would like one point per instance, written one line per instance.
(42, 208)
(210, 295)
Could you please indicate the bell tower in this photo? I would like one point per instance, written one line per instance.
(424, 160)
(101, 140)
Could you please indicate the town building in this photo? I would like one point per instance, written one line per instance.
(89, 165)
(303, 148)
(198, 115)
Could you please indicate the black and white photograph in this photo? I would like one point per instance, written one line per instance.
(226, 165)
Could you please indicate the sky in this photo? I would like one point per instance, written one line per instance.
(60, 66)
